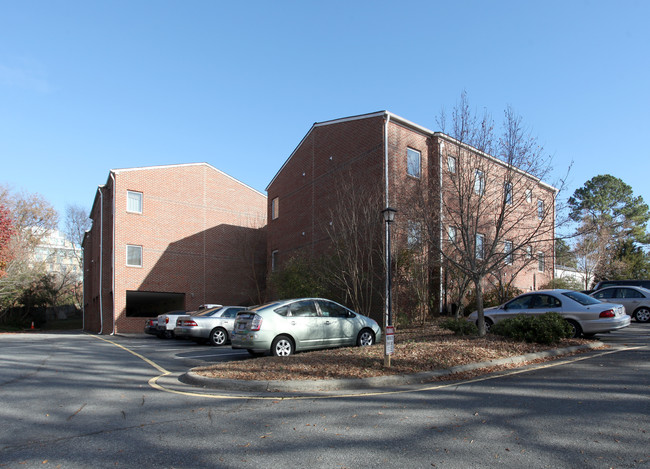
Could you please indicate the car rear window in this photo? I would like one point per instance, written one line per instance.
(581, 298)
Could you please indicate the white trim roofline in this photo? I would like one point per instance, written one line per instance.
(413, 126)
(148, 168)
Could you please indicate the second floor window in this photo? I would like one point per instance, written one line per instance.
(479, 246)
(507, 249)
(414, 238)
(413, 162)
(540, 260)
(540, 209)
(133, 255)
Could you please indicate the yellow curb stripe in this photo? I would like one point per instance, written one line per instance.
(153, 382)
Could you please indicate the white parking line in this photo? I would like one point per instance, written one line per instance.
(210, 355)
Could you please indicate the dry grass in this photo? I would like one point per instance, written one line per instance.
(417, 350)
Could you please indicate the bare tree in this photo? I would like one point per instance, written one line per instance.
(491, 214)
(355, 252)
(77, 223)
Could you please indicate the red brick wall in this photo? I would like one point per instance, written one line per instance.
(195, 224)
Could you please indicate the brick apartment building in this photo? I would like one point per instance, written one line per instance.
(384, 154)
(167, 238)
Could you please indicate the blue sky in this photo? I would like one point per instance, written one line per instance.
(89, 86)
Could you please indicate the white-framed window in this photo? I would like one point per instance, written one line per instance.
(133, 255)
(414, 236)
(540, 261)
(480, 249)
(507, 249)
(451, 164)
(413, 162)
(275, 208)
(451, 233)
(479, 182)
(133, 202)
(540, 209)
(274, 260)
(507, 189)
(529, 195)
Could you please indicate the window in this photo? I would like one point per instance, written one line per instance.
(529, 195)
(540, 209)
(133, 255)
(274, 260)
(451, 232)
(414, 236)
(507, 249)
(529, 252)
(275, 208)
(479, 182)
(413, 162)
(507, 189)
(479, 246)
(540, 260)
(451, 164)
(133, 202)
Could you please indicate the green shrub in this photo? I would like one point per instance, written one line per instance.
(549, 328)
(460, 326)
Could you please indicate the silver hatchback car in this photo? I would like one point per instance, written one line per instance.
(284, 327)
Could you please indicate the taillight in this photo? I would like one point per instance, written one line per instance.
(607, 314)
(256, 323)
(190, 323)
(167, 320)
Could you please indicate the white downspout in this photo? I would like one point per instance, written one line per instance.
(441, 147)
(101, 259)
(113, 252)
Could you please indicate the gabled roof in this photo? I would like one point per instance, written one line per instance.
(385, 114)
(153, 168)
(407, 123)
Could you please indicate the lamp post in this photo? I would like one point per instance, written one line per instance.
(389, 217)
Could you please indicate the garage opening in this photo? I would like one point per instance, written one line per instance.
(141, 304)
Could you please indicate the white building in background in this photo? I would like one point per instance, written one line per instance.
(568, 273)
(59, 255)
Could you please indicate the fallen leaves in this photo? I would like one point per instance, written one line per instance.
(417, 349)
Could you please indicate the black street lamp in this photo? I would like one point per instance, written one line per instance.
(389, 217)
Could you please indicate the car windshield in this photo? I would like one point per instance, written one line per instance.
(581, 298)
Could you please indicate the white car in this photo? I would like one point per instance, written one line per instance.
(167, 322)
(585, 314)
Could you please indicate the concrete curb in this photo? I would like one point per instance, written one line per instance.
(355, 384)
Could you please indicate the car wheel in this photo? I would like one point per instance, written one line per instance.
(366, 337)
(576, 330)
(168, 334)
(488, 324)
(218, 336)
(282, 346)
(642, 315)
